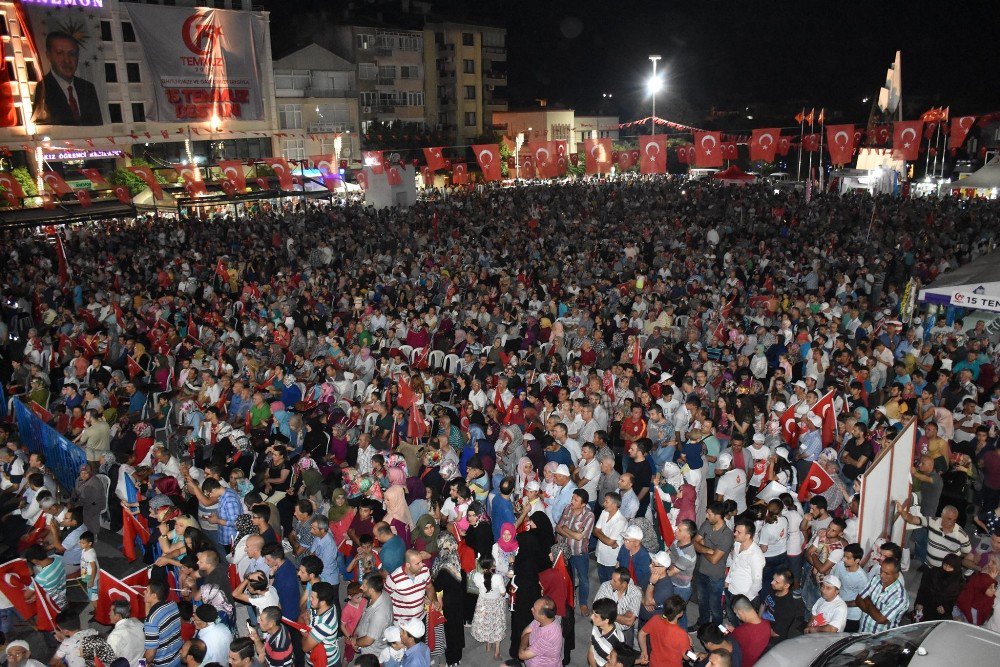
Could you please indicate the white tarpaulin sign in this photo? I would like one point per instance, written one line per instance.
(203, 62)
(973, 300)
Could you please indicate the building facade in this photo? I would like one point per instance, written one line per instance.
(543, 124)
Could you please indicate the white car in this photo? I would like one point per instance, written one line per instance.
(928, 644)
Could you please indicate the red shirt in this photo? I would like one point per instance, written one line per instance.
(667, 642)
(633, 429)
(753, 640)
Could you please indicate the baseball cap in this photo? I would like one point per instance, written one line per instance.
(533, 485)
(800, 383)
(989, 407)
(412, 627)
(562, 469)
(391, 634)
(725, 460)
(661, 558)
(759, 437)
(779, 407)
(832, 580)
(633, 533)
(816, 420)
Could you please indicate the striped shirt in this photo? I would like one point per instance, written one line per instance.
(163, 633)
(602, 644)
(278, 648)
(326, 631)
(628, 602)
(580, 522)
(940, 543)
(890, 600)
(407, 593)
(229, 509)
(52, 578)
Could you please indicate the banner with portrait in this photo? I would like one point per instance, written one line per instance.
(203, 63)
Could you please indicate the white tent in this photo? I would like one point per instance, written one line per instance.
(987, 178)
(980, 276)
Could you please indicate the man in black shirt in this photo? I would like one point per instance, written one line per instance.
(785, 611)
(858, 453)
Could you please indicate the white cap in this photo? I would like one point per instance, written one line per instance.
(832, 580)
(989, 406)
(759, 437)
(18, 643)
(661, 558)
(771, 491)
(533, 485)
(665, 376)
(413, 627)
(779, 407)
(633, 533)
(391, 634)
(562, 469)
(816, 420)
(800, 384)
(527, 436)
(946, 364)
(724, 461)
(813, 377)
(782, 452)
(881, 409)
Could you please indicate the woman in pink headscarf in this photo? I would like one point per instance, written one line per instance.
(504, 551)
(397, 513)
(525, 473)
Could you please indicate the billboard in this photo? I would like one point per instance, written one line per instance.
(204, 63)
(68, 45)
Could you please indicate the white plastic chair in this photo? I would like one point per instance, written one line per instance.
(652, 354)
(407, 351)
(435, 359)
(370, 420)
(451, 364)
(359, 387)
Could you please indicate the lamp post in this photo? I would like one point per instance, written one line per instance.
(654, 87)
(518, 142)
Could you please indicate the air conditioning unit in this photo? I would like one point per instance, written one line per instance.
(366, 109)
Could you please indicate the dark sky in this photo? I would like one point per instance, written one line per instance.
(736, 52)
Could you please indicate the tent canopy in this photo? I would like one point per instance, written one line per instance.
(986, 178)
(982, 275)
(735, 175)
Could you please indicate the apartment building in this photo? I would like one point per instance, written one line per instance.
(317, 99)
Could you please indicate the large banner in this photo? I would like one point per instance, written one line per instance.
(203, 62)
(68, 44)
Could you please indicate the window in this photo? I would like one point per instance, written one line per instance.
(115, 112)
(106, 31)
(412, 98)
(470, 118)
(3, 25)
(290, 116)
(409, 72)
(368, 98)
(132, 72)
(364, 41)
(291, 80)
(469, 66)
(110, 73)
(387, 71)
(138, 112)
(367, 71)
(470, 92)
(9, 66)
(128, 34)
(468, 39)
(411, 43)
(560, 131)
(328, 146)
(32, 69)
(293, 149)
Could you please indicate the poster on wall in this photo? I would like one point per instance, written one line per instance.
(67, 41)
(203, 63)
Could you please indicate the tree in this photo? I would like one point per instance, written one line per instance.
(28, 184)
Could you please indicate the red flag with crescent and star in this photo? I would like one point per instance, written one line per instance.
(281, 169)
(191, 175)
(15, 577)
(488, 157)
(373, 159)
(544, 158)
(95, 177)
(232, 171)
(906, 136)
(653, 154)
(764, 143)
(817, 481)
(827, 410)
(707, 151)
(789, 427)
(840, 143)
(663, 519)
(598, 155)
(810, 143)
(46, 609)
(960, 127)
(146, 175)
(608, 382)
(109, 588)
(435, 158)
(56, 183)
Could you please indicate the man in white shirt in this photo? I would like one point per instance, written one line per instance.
(608, 530)
(216, 636)
(168, 466)
(561, 435)
(588, 472)
(746, 565)
(70, 635)
(127, 638)
(829, 613)
(732, 482)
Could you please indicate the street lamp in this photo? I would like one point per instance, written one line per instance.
(654, 85)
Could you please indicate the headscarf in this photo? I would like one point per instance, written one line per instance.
(415, 489)
(396, 507)
(447, 557)
(431, 545)
(96, 646)
(396, 477)
(508, 546)
(244, 527)
(523, 478)
(543, 531)
(338, 512)
(448, 470)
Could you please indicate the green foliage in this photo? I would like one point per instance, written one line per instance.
(23, 176)
(125, 177)
(139, 162)
(401, 136)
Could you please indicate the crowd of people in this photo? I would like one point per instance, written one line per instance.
(413, 436)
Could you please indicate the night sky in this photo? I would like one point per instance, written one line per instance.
(730, 53)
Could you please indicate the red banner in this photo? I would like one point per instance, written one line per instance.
(784, 145)
(810, 143)
(435, 158)
(326, 164)
(960, 127)
(373, 159)
(789, 426)
(15, 577)
(362, 178)
(147, 177)
(83, 197)
(488, 157)
(56, 184)
(598, 156)
(459, 174)
(110, 588)
(394, 175)
(191, 176)
(545, 158)
(562, 157)
(527, 166)
(826, 409)
(653, 154)
(428, 175)
(46, 610)
(123, 194)
(11, 184)
(95, 177)
(906, 139)
(764, 143)
(232, 171)
(282, 171)
(707, 151)
(625, 161)
(817, 481)
(840, 143)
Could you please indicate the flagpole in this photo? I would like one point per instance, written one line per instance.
(822, 124)
(802, 134)
(810, 170)
(927, 159)
(937, 140)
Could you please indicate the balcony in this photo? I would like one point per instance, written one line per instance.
(496, 105)
(383, 51)
(495, 52)
(495, 78)
(446, 48)
(386, 81)
(331, 92)
(386, 108)
(326, 128)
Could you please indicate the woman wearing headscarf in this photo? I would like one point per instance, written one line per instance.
(95, 646)
(524, 473)
(397, 513)
(341, 515)
(532, 557)
(449, 582)
(939, 588)
(558, 585)
(425, 538)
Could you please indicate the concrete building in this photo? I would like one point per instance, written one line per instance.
(317, 100)
(595, 127)
(542, 124)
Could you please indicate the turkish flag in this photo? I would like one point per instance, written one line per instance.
(560, 567)
(560, 150)
(324, 163)
(15, 576)
(682, 154)
(394, 176)
(810, 143)
(263, 183)
(817, 481)
(858, 136)
(135, 532)
(46, 610)
(732, 151)
(598, 159)
(191, 176)
(229, 188)
(488, 157)
(417, 427)
(527, 166)
(95, 177)
(428, 175)
(784, 145)
(459, 174)
(83, 197)
(625, 160)
(146, 175)
(435, 158)
(906, 139)
(653, 152)
(707, 151)
(405, 396)
(282, 170)
(960, 127)
(11, 184)
(373, 159)
(54, 182)
(840, 143)
(764, 143)
(545, 160)
(789, 427)
(362, 178)
(110, 588)
(826, 408)
(123, 194)
(232, 170)
(663, 519)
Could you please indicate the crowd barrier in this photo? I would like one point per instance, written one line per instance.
(62, 457)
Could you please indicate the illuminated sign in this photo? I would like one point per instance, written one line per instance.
(81, 155)
(92, 4)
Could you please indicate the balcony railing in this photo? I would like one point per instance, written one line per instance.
(330, 92)
(383, 51)
(324, 128)
(386, 81)
(496, 77)
(386, 108)
(495, 51)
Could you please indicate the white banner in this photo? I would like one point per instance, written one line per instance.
(203, 62)
(978, 301)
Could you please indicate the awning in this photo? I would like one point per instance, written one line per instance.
(65, 213)
(980, 276)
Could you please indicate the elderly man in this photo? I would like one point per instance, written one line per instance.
(560, 501)
(126, 638)
(542, 641)
(944, 536)
(627, 596)
(884, 600)
(90, 496)
(19, 655)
